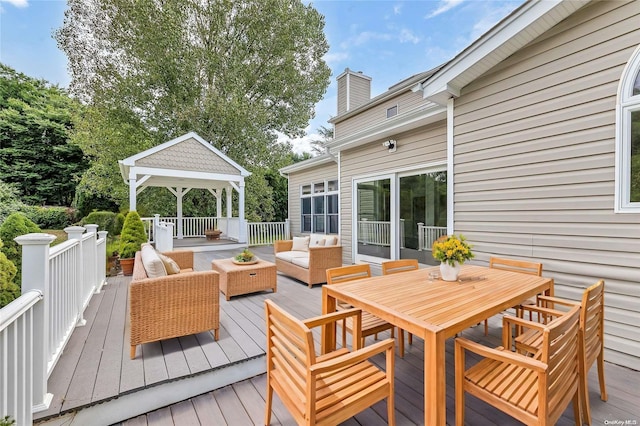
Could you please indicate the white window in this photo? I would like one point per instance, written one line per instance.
(319, 207)
(627, 194)
(392, 112)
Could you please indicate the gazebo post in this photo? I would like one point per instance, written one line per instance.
(179, 195)
(132, 188)
(242, 237)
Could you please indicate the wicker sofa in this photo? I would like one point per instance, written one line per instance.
(174, 305)
(308, 265)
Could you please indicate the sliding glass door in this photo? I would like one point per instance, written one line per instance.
(399, 216)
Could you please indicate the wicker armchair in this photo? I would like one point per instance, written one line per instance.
(174, 305)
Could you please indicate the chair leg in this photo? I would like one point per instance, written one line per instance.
(133, 351)
(267, 413)
(344, 334)
(576, 408)
(410, 338)
(486, 327)
(584, 392)
(459, 360)
(603, 389)
(401, 341)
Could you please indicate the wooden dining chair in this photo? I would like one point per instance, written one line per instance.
(394, 267)
(324, 389)
(592, 328)
(371, 325)
(535, 390)
(513, 265)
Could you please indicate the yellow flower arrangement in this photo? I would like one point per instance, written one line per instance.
(452, 249)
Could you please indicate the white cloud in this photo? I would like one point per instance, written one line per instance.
(365, 37)
(16, 3)
(445, 5)
(333, 58)
(491, 17)
(300, 145)
(397, 9)
(407, 36)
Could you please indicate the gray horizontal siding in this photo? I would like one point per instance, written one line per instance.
(416, 148)
(406, 102)
(534, 164)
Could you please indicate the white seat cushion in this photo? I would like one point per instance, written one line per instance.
(288, 256)
(152, 263)
(303, 262)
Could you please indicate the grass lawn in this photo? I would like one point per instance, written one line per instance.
(61, 236)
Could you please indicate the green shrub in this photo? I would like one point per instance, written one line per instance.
(132, 236)
(106, 221)
(8, 288)
(50, 217)
(15, 225)
(119, 224)
(7, 421)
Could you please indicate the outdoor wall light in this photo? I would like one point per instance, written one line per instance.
(390, 144)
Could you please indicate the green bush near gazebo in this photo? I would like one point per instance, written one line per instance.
(131, 239)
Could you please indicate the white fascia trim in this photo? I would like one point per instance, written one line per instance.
(389, 126)
(519, 20)
(183, 174)
(306, 164)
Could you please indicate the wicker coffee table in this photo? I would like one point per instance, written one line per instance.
(243, 279)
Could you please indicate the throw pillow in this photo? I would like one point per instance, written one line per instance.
(300, 244)
(316, 240)
(331, 241)
(169, 264)
(151, 262)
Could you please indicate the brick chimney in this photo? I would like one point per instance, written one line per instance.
(354, 89)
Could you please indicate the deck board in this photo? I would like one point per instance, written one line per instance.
(96, 365)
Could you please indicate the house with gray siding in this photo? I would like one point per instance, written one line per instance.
(527, 142)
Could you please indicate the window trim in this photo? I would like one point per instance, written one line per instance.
(313, 195)
(626, 104)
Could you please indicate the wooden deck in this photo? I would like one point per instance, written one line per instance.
(195, 380)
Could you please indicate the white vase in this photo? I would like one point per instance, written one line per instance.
(448, 272)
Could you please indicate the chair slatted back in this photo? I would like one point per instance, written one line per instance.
(592, 321)
(561, 351)
(401, 265)
(290, 353)
(348, 273)
(522, 266)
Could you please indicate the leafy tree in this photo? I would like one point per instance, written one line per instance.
(235, 72)
(9, 200)
(8, 288)
(15, 225)
(35, 152)
(325, 136)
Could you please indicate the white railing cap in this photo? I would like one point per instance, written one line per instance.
(37, 238)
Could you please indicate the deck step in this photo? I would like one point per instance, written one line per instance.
(150, 398)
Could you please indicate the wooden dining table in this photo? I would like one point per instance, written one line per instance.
(434, 310)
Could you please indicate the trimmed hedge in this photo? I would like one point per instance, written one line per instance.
(132, 236)
(8, 288)
(50, 217)
(106, 221)
(15, 225)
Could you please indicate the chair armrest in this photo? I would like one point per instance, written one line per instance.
(551, 300)
(282, 245)
(543, 310)
(508, 321)
(325, 257)
(332, 317)
(500, 354)
(351, 358)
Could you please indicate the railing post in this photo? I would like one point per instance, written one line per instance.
(75, 233)
(420, 236)
(287, 229)
(35, 276)
(101, 253)
(91, 260)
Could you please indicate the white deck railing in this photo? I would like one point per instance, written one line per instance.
(265, 233)
(57, 285)
(374, 232)
(257, 233)
(428, 234)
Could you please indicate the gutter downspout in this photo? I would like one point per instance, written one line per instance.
(450, 165)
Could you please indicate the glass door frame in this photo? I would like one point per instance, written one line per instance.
(393, 181)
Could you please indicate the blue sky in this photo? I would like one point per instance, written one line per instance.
(386, 40)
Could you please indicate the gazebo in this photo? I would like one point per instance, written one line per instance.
(185, 163)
